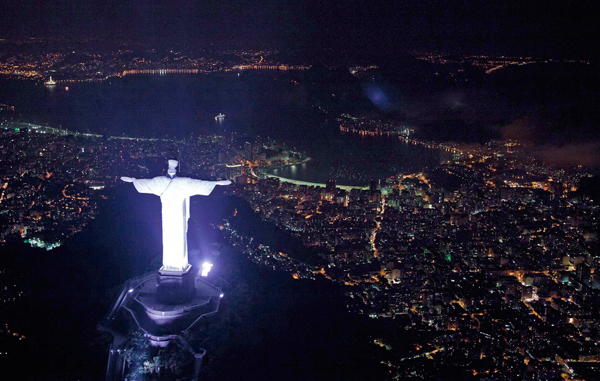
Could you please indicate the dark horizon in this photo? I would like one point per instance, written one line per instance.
(469, 27)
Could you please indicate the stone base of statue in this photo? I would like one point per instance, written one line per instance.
(160, 320)
(175, 287)
(139, 306)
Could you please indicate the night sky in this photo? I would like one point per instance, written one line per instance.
(557, 28)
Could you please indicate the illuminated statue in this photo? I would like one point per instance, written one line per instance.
(175, 193)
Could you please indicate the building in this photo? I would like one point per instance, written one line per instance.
(234, 171)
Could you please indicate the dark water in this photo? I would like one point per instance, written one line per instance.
(184, 105)
(173, 105)
(358, 160)
(151, 105)
(154, 106)
(539, 104)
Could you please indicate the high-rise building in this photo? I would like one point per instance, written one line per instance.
(375, 185)
(248, 153)
(330, 186)
(234, 171)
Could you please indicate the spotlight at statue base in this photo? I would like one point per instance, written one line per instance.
(206, 266)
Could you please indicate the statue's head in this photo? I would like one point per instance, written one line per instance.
(172, 171)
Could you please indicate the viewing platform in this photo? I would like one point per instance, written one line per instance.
(162, 322)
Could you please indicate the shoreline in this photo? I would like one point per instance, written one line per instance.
(321, 185)
(306, 160)
(263, 172)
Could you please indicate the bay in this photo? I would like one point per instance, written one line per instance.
(185, 105)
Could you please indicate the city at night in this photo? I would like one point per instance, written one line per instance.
(308, 190)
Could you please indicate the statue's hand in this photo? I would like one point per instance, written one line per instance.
(127, 179)
(224, 182)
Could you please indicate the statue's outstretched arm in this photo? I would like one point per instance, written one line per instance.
(155, 186)
(200, 187)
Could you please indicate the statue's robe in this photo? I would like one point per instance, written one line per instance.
(175, 198)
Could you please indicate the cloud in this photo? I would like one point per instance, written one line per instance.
(587, 154)
(535, 135)
(523, 130)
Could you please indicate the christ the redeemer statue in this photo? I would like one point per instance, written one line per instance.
(175, 193)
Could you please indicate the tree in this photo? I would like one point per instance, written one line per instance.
(137, 354)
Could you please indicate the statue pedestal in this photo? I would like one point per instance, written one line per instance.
(162, 322)
(175, 287)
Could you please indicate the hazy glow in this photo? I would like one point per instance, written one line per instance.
(378, 96)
